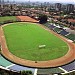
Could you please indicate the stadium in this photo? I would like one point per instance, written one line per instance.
(28, 45)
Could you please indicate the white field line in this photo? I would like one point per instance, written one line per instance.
(10, 66)
(3, 68)
(68, 72)
(63, 70)
(35, 73)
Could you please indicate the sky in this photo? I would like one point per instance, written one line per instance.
(54, 1)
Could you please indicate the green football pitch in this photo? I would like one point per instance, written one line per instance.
(24, 39)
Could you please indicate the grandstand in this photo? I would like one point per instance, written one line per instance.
(57, 30)
(51, 27)
(71, 37)
(49, 71)
(47, 24)
(20, 68)
(4, 62)
(64, 33)
(59, 70)
(61, 31)
(69, 67)
(16, 68)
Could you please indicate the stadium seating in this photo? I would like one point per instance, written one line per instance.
(57, 29)
(51, 27)
(49, 71)
(46, 24)
(20, 68)
(69, 67)
(70, 73)
(63, 32)
(71, 37)
(4, 62)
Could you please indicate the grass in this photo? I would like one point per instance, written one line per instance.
(5, 18)
(23, 40)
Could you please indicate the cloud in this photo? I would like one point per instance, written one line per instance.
(67, 1)
(62, 1)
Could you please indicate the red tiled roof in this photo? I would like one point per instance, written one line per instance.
(71, 20)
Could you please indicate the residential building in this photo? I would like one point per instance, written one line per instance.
(58, 6)
(70, 8)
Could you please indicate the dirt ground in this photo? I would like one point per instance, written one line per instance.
(27, 19)
(70, 56)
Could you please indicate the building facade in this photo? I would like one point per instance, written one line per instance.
(70, 8)
(58, 6)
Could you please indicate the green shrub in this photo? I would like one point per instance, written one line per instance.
(26, 72)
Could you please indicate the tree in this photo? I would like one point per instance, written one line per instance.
(3, 72)
(26, 73)
(42, 18)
